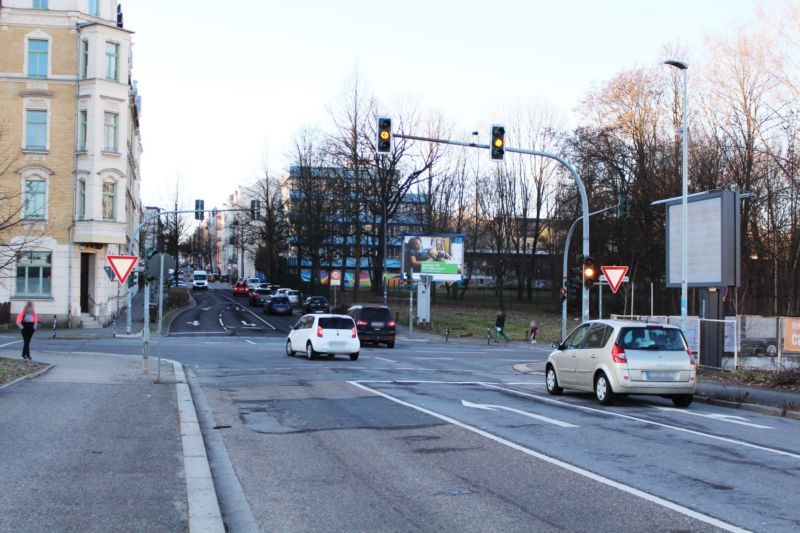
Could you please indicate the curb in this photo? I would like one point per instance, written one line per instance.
(27, 376)
(204, 512)
(170, 317)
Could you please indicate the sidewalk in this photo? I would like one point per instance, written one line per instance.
(92, 445)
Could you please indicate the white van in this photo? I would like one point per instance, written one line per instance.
(200, 279)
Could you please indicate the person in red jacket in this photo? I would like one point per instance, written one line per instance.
(27, 322)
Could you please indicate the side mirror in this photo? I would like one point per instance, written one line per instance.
(556, 345)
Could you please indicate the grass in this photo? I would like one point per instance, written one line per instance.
(11, 369)
(783, 379)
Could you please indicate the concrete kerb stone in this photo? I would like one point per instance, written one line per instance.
(28, 376)
(169, 318)
(204, 511)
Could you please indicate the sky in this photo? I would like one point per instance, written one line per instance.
(226, 84)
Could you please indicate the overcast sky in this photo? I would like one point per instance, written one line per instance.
(225, 82)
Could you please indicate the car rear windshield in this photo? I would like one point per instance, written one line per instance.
(200, 277)
(317, 300)
(376, 314)
(651, 338)
(262, 291)
(280, 300)
(336, 322)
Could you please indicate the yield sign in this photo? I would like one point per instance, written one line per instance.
(614, 276)
(122, 265)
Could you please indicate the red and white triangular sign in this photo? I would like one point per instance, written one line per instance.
(122, 265)
(614, 275)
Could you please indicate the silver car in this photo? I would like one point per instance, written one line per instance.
(616, 357)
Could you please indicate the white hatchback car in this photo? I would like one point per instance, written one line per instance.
(616, 357)
(326, 333)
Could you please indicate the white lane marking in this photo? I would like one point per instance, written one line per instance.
(384, 359)
(221, 324)
(572, 468)
(221, 333)
(9, 344)
(491, 407)
(435, 358)
(194, 323)
(252, 313)
(742, 421)
(247, 324)
(251, 342)
(205, 308)
(646, 421)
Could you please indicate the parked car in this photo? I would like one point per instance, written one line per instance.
(256, 296)
(281, 291)
(212, 277)
(278, 305)
(200, 280)
(294, 296)
(240, 289)
(316, 304)
(375, 324)
(324, 334)
(617, 357)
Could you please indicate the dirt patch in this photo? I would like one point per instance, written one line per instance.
(786, 379)
(11, 369)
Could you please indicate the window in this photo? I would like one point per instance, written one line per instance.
(82, 131)
(34, 275)
(94, 8)
(37, 58)
(575, 340)
(651, 338)
(36, 130)
(112, 61)
(597, 337)
(39, 4)
(109, 197)
(110, 142)
(35, 199)
(84, 59)
(81, 200)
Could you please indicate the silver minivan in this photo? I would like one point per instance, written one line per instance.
(618, 357)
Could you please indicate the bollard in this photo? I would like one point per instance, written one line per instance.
(114, 326)
(488, 336)
(54, 326)
(446, 332)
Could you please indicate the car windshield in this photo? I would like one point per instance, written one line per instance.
(651, 338)
(279, 300)
(336, 322)
(200, 277)
(317, 300)
(376, 314)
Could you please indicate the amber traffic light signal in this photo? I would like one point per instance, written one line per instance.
(498, 142)
(589, 272)
(384, 142)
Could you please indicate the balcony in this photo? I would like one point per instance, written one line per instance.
(100, 232)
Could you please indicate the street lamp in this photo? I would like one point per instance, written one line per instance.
(680, 65)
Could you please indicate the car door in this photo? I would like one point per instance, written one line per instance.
(298, 334)
(588, 355)
(565, 358)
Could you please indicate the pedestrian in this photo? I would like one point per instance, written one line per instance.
(534, 331)
(500, 325)
(27, 322)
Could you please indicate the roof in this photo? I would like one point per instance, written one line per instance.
(631, 323)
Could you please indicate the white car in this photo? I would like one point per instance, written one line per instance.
(200, 280)
(252, 283)
(294, 296)
(617, 357)
(324, 334)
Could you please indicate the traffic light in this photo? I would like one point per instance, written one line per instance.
(255, 210)
(498, 142)
(384, 142)
(624, 207)
(589, 272)
(199, 209)
(574, 289)
(563, 293)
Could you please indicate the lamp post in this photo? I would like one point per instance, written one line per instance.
(680, 65)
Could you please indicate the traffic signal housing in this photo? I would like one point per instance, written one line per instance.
(255, 210)
(624, 207)
(384, 141)
(590, 272)
(498, 142)
(199, 209)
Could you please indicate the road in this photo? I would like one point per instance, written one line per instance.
(435, 437)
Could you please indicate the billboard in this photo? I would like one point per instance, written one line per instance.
(713, 243)
(440, 256)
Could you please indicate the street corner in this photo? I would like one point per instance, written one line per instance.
(13, 371)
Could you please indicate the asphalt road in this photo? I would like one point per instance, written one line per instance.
(435, 437)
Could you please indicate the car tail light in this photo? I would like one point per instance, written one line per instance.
(391, 324)
(319, 331)
(354, 332)
(692, 358)
(361, 323)
(618, 354)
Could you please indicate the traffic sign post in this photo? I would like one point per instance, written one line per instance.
(336, 281)
(614, 276)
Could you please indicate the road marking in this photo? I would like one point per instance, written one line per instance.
(221, 333)
(221, 324)
(246, 324)
(381, 358)
(435, 358)
(251, 342)
(205, 308)
(252, 313)
(742, 421)
(572, 468)
(646, 421)
(194, 323)
(489, 407)
(9, 343)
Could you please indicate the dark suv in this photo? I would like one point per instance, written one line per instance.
(374, 323)
(316, 304)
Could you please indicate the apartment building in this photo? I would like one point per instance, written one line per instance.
(69, 129)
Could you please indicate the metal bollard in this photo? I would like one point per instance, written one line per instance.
(488, 336)
(114, 326)
(54, 326)
(446, 332)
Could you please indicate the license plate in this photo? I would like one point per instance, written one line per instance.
(660, 376)
(377, 325)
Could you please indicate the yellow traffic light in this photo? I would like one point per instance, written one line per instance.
(385, 135)
(498, 142)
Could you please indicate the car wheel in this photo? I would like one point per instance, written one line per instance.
(551, 381)
(390, 344)
(682, 400)
(310, 353)
(289, 350)
(602, 390)
(354, 356)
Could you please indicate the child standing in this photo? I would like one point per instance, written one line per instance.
(534, 331)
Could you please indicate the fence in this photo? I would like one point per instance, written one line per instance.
(768, 343)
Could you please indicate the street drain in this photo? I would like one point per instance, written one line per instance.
(459, 492)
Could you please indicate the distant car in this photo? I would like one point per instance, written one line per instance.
(225, 278)
(281, 291)
(240, 289)
(278, 305)
(324, 334)
(294, 296)
(375, 324)
(316, 304)
(200, 280)
(252, 283)
(256, 296)
(619, 357)
(212, 277)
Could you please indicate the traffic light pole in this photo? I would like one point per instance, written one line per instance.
(575, 176)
